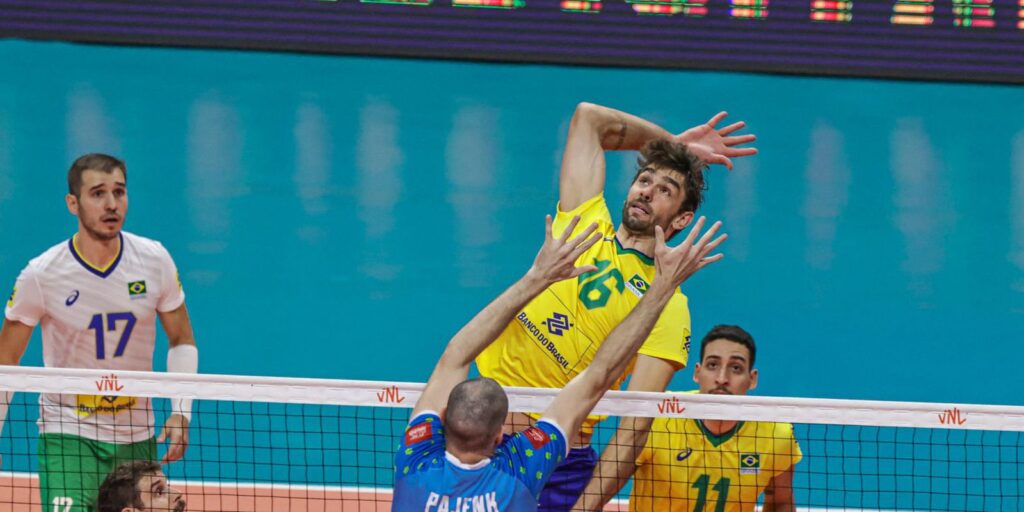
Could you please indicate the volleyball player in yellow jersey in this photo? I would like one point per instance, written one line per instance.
(693, 465)
(556, 335)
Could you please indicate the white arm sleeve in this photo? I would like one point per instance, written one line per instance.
(182, 359)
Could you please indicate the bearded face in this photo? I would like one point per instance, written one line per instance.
(655, 199)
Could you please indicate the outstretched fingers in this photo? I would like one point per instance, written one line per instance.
(692, 235)
(708, 235)
(739, 139)
(708, 248)
(583, 237)
(739, 125)
(567, 232)
(579, 271)
(741, 151)
(581, 248)
(717, 118)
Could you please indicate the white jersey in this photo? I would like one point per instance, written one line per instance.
(102, 318)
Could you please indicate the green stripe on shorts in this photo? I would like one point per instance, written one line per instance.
(71, 468)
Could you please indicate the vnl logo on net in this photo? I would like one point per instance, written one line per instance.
(109, 383)
(952, 416)
(390, 395)
(671, 406)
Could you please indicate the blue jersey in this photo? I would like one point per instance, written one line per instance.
(428, 479)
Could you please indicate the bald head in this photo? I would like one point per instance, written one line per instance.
(475, 414)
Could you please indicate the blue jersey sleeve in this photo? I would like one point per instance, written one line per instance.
(534, 453)
(422, 445)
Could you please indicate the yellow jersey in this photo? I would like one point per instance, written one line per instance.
(686, 468)
(558, 333)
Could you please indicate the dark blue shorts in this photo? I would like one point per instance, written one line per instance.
(568, 481)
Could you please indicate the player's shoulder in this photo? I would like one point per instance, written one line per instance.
(143, 246)
(50, 257)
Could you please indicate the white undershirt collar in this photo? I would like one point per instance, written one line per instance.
(458, 463)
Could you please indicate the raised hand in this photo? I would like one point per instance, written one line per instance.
(556, 259)
(676, 264)
(714, 146)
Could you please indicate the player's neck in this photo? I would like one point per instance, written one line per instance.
(628, 240)
(96, 252)
(719, 427)
(466, 457)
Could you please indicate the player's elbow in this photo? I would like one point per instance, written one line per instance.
(586, 115)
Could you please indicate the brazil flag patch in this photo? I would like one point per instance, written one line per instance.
(10, 301)
(637, 285)
(137, 289)
(750, 463)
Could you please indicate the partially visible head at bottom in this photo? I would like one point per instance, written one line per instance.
(138, 486)
(475, 414)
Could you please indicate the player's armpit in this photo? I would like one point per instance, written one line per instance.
(778, 495)
(14, 338)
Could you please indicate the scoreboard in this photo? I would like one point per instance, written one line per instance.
(960, 40)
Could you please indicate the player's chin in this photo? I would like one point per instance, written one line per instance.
(108, 230)
(639, 226)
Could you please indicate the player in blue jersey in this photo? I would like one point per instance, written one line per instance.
(454, 457)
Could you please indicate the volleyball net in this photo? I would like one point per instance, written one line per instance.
(284, 444)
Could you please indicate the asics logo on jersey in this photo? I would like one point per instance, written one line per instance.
(685, 454)
(558, 324)
(70, 301)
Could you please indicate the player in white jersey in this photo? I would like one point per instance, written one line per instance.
(97, 297)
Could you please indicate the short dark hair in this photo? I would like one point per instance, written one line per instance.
(731, 333)
(92, 162)
(476, 411)
(675, 156)
(121, 487)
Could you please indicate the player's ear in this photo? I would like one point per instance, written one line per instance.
(681, 220)
(696, 371)
(72, 202)
(753, 379)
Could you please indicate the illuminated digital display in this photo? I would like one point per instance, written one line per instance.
(974, 40)
(830, 11)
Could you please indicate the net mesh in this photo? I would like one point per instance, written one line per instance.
(262, 444)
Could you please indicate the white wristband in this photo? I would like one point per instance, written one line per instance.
(182, 359)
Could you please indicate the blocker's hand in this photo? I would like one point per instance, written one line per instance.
(677, 264)
(717, 146)
(556, 259)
